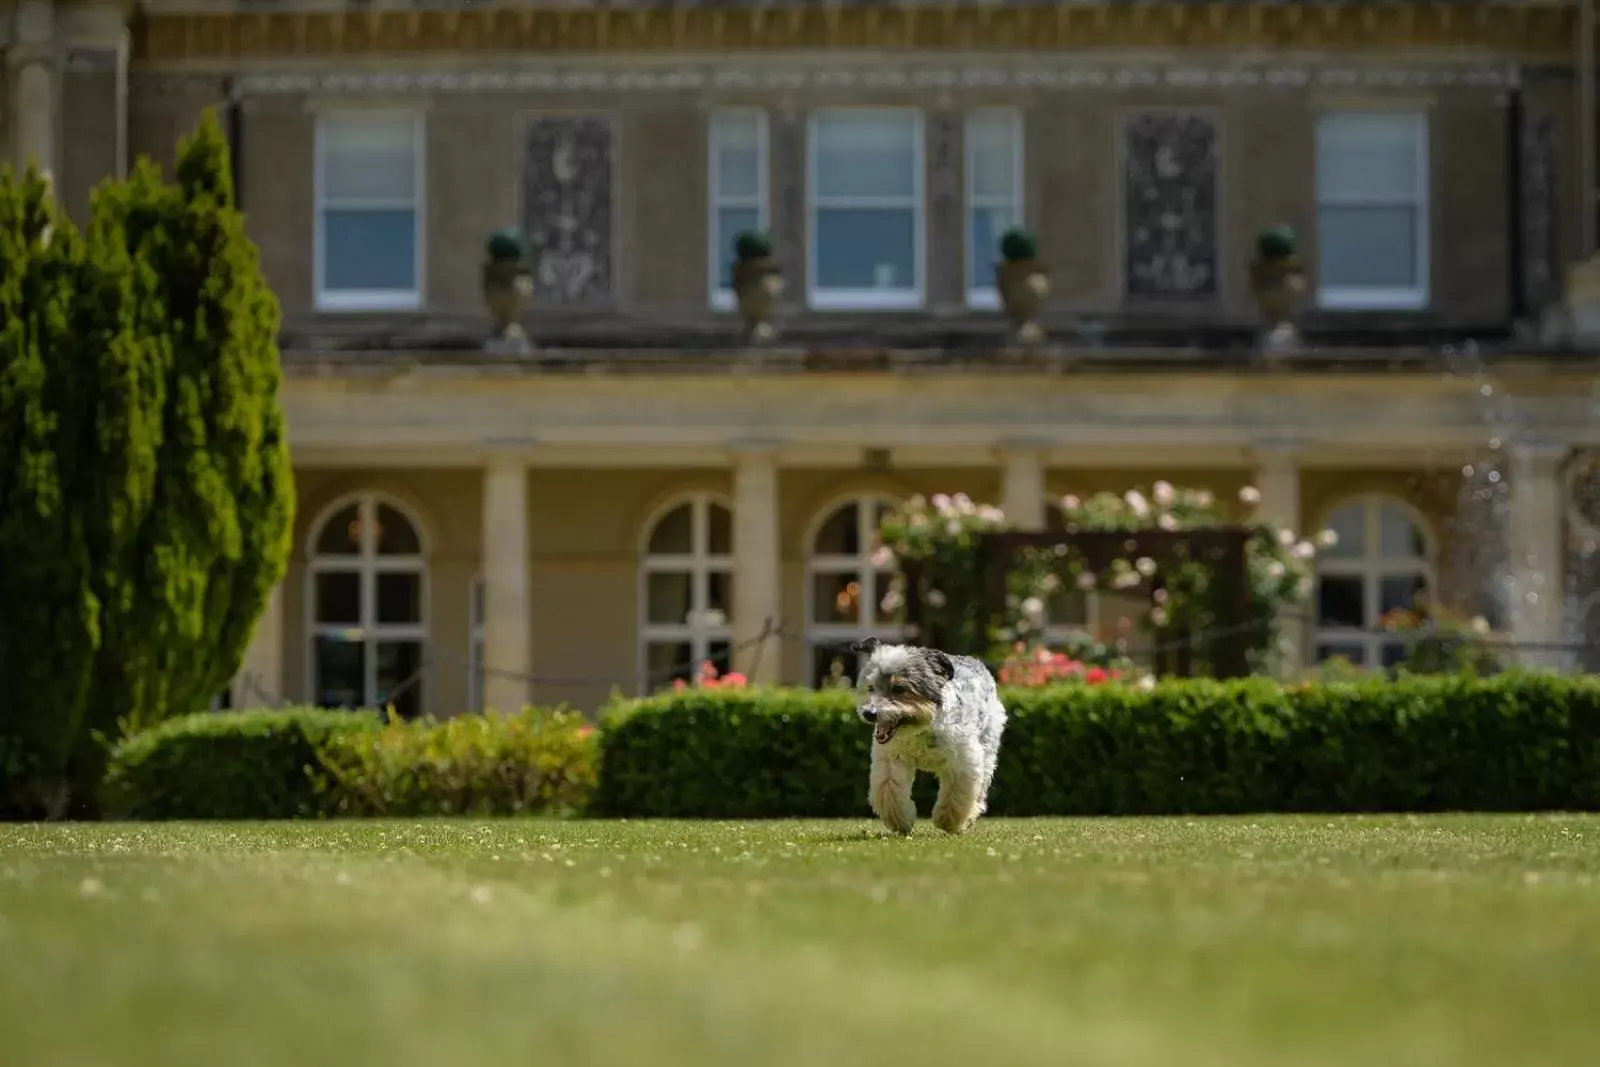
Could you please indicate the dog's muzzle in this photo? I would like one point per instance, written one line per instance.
(885, 730)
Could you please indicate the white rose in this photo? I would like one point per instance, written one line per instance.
(1250, 496)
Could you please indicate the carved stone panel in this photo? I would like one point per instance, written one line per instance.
(1540, 195)
(1169, 196)
(567, 208)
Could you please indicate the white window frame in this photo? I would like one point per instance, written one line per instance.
(476, 670)
(722, 295)
(368, 564)
(699, 630)
(860, 566)
(1382, 298)
(982, 292)
(823, 299)
(1372, 566)
(370, 299)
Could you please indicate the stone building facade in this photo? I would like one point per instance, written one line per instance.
(643, 490)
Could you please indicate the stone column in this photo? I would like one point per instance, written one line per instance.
(1022, 486)
(757, 566)
(1277, 478)
(259, 682)
(1538, 543)
(507, 642)
(33, 62)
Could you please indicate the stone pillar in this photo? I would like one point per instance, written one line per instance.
(1538, 543)
(259, 682)
(1277, 479)
(33, 67)
(1022, 486)
(757, 567)
(507, 641)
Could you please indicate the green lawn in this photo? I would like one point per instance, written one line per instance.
(1260, 942)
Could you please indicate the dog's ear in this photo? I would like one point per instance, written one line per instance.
(943, 666)
(866, 646)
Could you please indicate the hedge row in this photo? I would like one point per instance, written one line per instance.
(304, 762)
(1510, 743)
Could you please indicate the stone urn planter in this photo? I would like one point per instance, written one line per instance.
(1278, 283)
(1023, 283)
(757, 284)
(507, 285)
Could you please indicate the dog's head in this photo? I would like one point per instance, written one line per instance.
(899, 686)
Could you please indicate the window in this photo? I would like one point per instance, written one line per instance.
(367, 602)
(369, 218)
(1372, 210)
(994, 196)
(738, 191)
(1380, 563)
(1069, 612)
(475, 666)
(846, 583)
(866, 209)
(686, 584)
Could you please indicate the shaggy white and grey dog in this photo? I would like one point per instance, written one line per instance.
(933, 712)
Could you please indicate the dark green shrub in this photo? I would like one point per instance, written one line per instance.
(1277, 242)
(749, 245)
(232, 765)
(1510, 743)
(507, 246)
(536, 762)
(1018, 246)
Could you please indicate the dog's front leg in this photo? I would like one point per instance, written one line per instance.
(961, 789)
(889, 792)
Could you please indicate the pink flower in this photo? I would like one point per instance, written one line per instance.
(941, 502)
(882, 556)
(1070, 503)
(1086, 580)
(1137, 503)
(1167, 521)
(1163, 494)
(1158, 616)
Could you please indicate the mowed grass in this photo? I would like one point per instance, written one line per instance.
(1461, 941)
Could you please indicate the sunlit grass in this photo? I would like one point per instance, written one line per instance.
(1465, 941)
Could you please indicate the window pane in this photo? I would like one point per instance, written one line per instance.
(719, 592)
(339, 598)
(731, 221)
(836, 598)
(670, 598)
(1399, 592)
(368, 157)
(877, 614)
(1067, 607)
(394, 535)
(720, 653)
(1393, 652)
(988, 225)
(719, 535)
(667, 661)
(1367, 247)
(399, 598)
(1368, 155)
(1354, 653)
(866, 153)
(398, 665)
(840, 535)
(369, 250)
(1398, 536)
(1340, 602)
(341, 535)
(477, 603)
(674, 532)
(1349, 525)
(866, 249)
(339, 669)
(992, 149)
(738, 141)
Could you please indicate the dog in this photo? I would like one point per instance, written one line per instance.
(933, 712)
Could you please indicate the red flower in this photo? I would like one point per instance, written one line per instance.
(1096, 675)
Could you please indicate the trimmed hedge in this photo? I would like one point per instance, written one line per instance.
(228, 765)
(1509, 743)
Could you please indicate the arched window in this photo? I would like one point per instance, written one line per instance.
(686, 590)
(367, 602)
(1380, 563)
(845, 587)
(1069, 611)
